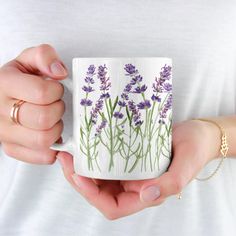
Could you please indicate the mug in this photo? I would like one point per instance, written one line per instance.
(122, 117)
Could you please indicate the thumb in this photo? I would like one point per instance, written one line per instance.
(184, 166)
(42, 60)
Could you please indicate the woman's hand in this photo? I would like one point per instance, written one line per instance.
(40, 116)
(195, 143)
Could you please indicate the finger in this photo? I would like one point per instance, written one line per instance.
(30, 88)
(21, 153)
(180, 173)
(35, 139)
(39, 117)
(44, 60)
(112, 206)
(66, 161)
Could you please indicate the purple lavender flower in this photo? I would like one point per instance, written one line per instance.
(100, 127)
(122, 103)
(164, 111)
(144, 105)
(91, 70)
(160, 84)
(105, 95)
(135, 112)
(167, 87)
(88, 89)
(128, 88)
(95, 110)
(130, 69)
(140, 89)
(136, 79)
(89, 80)
(125, 96)
(155, 98)
(86, 102)
(105, 81)
(118, 115)
(166, 72)
(157, 86)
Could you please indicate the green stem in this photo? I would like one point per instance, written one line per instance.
(111, 164)
(127, 160)
(88, 150)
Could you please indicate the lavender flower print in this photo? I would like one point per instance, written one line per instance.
(156, 98)
(164, 111)
(86, 102)
(86, 128)
(130, 69)
(105, 81)
(144, 105)
(127, 124)
(161, 84)
(95, 110)
(88, 88)
(140, 89)
(100, 127)
(118, 115)
(136, 113)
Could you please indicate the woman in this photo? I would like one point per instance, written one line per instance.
(38, 40)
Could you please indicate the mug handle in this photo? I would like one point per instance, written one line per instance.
(67, 146)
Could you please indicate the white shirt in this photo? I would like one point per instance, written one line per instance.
(199, 36)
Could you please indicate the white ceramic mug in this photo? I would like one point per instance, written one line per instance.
(122, 117)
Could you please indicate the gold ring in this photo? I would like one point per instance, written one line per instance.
(15, 111)
(179, 196)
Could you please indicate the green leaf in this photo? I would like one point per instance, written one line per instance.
(110, 104)
(122, 122)
(90, 122)
(128, 115)
(115, 103)
(81, 131)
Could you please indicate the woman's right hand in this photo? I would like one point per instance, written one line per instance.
(24, 78)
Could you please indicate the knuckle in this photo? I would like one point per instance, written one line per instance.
(23, 52)
(111, 215)
(44, 139)
(62, 107)
(43, 48)
(49, 160)
(45, 118)
(43, 93)
(61, 127)
(61, 89)
(58, 87)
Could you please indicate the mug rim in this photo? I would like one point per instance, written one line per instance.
(126, 57)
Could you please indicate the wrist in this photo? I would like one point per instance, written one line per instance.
(212, 137)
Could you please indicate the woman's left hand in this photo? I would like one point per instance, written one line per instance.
(195, 143)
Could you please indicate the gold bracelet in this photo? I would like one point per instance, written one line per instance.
(223, 148)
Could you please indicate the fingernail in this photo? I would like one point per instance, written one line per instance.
(150, 193)
(58, 69)
(76, 180)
